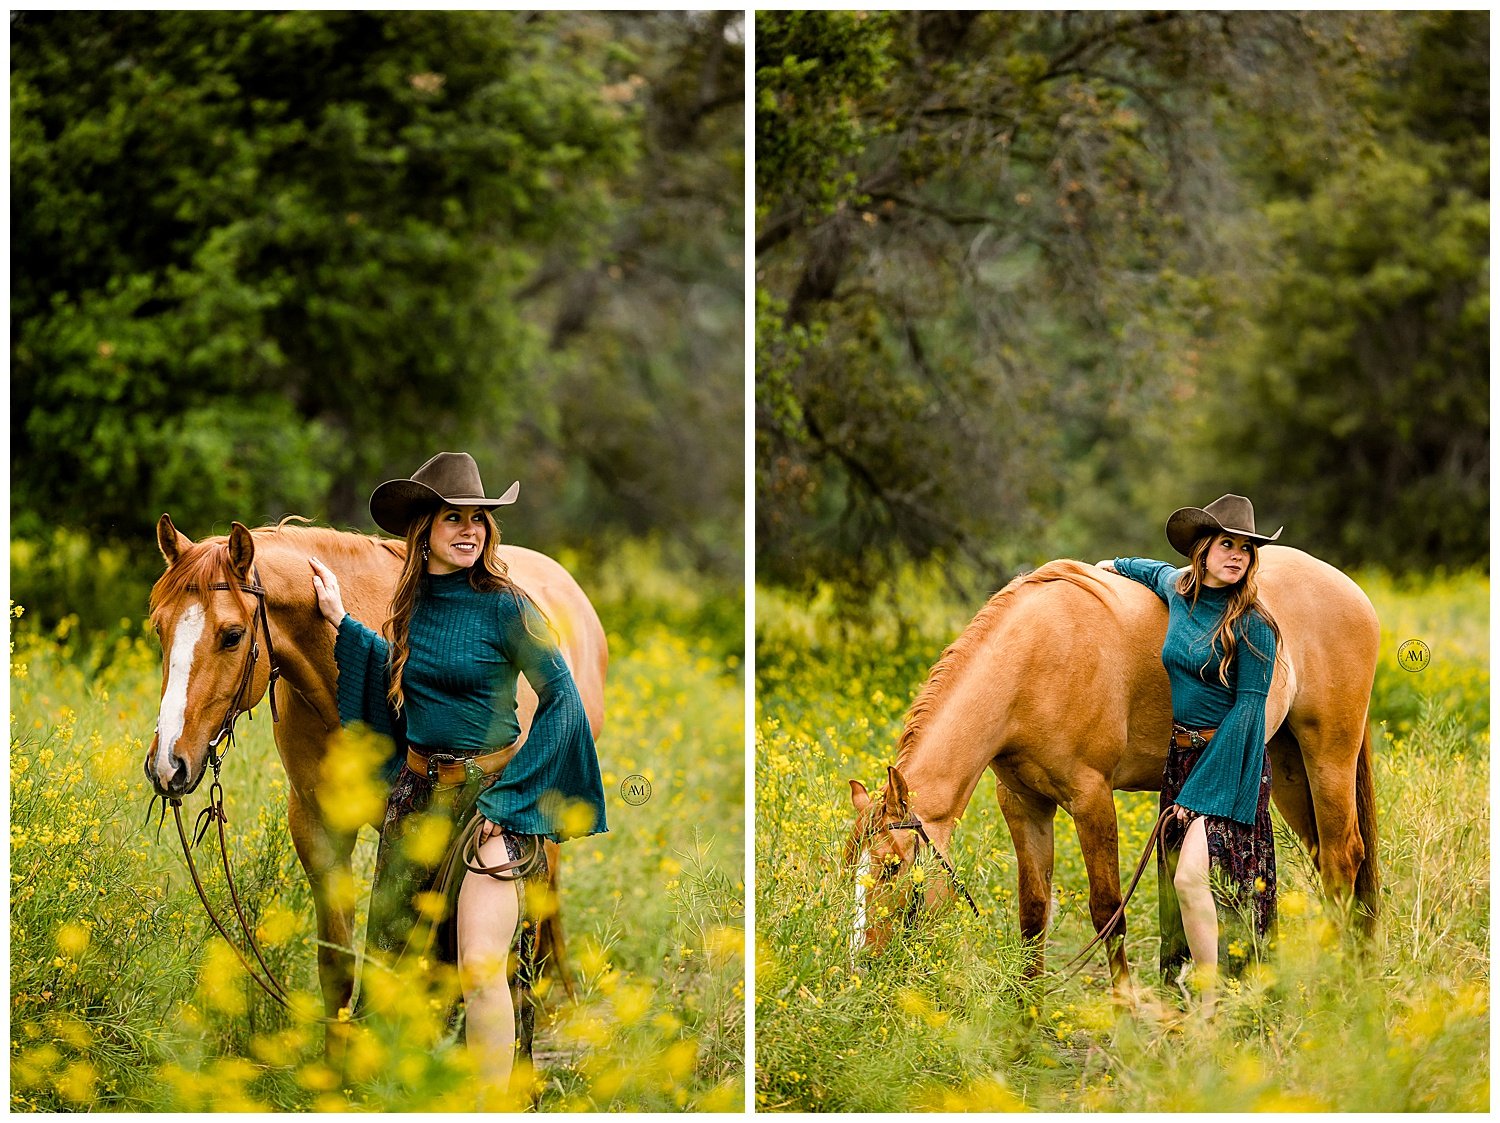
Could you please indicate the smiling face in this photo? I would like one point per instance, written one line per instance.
(1228, 559)
(457, 539)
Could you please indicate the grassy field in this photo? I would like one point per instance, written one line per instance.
(121, 1000)
(942, 1018)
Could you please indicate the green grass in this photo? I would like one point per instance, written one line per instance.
(121, 1000)
(942, 1018)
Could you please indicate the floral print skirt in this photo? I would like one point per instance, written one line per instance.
(1242, 874)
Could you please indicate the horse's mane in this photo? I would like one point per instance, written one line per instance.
(200, 566)
(329, 542)
(960, 652)
(206, 563)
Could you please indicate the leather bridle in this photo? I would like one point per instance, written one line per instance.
(258, 623)
(914, 825)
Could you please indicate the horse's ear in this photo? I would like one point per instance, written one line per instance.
(171, 540)
(895, 793)
(241, 550)
(858, 796)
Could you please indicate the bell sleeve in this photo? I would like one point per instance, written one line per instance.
(1229, 772)
(363, 660)
(552, 785)
(1157, 576)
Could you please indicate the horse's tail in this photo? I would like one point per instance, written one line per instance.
(1367, 877)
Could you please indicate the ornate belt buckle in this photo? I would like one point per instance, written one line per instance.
(472, 772)
(435, 762)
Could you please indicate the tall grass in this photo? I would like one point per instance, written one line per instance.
(123, 999)
(943, 1019)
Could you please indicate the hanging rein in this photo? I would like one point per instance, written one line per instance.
(213, 814)
(1108, 929)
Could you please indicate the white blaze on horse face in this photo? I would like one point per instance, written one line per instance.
(174, 699)
(857, 937)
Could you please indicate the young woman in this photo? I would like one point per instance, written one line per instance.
(1217, 853)
(443, 679)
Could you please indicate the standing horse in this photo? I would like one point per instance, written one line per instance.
(1057, 687)
(207, 625)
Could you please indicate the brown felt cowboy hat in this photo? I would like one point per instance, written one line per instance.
(1232, 513)
(449, 477)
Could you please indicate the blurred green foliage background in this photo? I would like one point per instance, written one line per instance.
(1027, 281)
(263, 261)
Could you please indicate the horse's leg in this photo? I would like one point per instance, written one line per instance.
(1093, 813)
(1029, 817)
(1335, 755)
(1291, 789)
(325, 856)
(550, 949)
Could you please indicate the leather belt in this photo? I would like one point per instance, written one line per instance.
(1185, 738)
(447, 769)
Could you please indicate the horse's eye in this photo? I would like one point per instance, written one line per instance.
(232, 637)
(889, 865)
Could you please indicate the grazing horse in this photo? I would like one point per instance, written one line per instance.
(1057, 687)
(207, 634)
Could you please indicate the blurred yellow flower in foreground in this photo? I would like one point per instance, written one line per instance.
(72, 939)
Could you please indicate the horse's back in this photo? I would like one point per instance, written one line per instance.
(570, 612)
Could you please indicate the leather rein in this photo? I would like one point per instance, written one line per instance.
(1107, 930)
(214, 814)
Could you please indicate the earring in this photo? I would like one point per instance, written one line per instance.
(424, 551)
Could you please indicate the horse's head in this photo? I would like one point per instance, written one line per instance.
(880, 852)
(207, 637)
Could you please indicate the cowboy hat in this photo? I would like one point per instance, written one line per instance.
(449, 477)
(1231, 513)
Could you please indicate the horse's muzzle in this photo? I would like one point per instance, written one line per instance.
(181, 782)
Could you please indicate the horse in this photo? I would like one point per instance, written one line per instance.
(206, 622)
(1057, 687)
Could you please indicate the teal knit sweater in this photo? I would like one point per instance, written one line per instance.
(459, 685)
(1226, 780)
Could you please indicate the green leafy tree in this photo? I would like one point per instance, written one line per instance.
(257, 257)
(1361, 408)
(1011, 263)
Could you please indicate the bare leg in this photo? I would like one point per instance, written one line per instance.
(1200, 920)
(488, 910)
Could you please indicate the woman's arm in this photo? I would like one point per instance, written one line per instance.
(559, 764)
(363, 661)
(1157, 576)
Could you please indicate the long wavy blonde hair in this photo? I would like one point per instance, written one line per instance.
(1244, 598)
(487, 574)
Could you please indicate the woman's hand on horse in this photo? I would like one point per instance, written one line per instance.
(1107, 564)
(326, 586)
